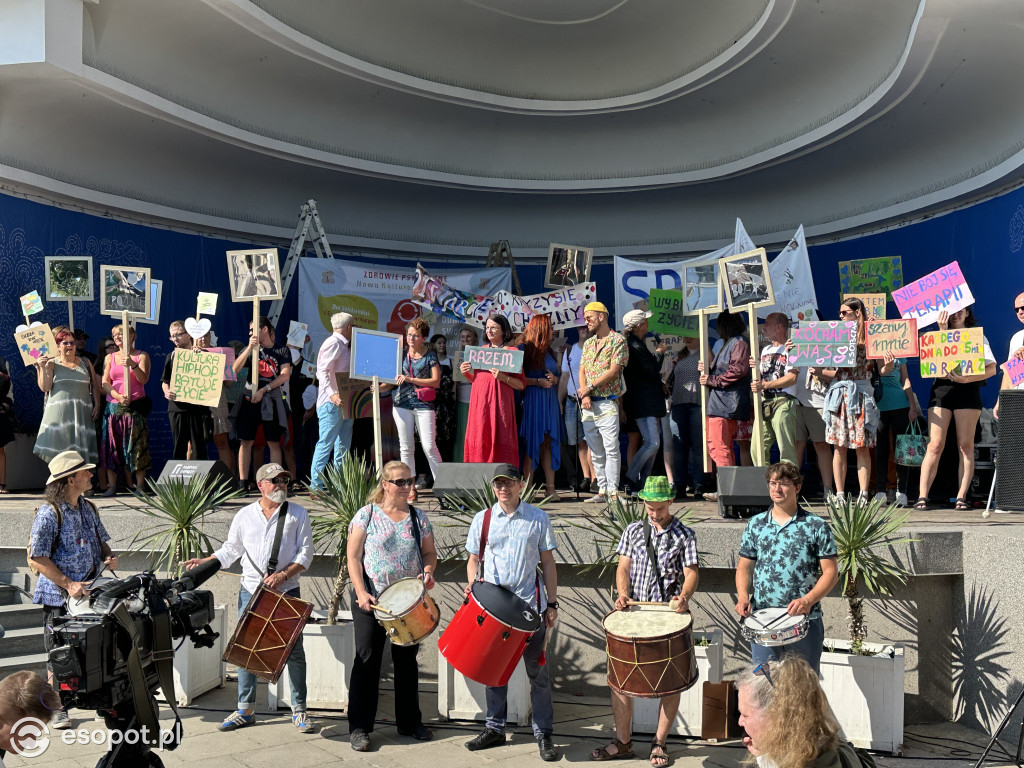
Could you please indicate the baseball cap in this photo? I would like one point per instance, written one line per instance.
(506, 470)
(596, 306)
(634, 317)
(270, 471)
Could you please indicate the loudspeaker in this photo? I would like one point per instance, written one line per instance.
(453, 477)
(742, 491)
(721, 712)
(186, 470)
(1010, 471)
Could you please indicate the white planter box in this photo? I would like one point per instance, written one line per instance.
(690, 717)
(459, 698)
(198, 670)
(330, 650)
(866, 695)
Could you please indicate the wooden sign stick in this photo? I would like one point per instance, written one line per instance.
(126, 345)
(757, 439)
(378, 452)
(705, 359)
(71, 315)
(254, 358)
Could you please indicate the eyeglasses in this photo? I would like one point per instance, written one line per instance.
(780, 484)
(1019, 309)
(177, 335)
(503, 482)
(764, 670)
(405, 482)
(67, 343)
(111, 347)
(277, 480)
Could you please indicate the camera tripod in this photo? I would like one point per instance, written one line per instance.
(126, 753)
(999, 730)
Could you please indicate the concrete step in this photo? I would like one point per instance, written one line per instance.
(32, 662)
(9, 595)
(20, 616)
(19, 642)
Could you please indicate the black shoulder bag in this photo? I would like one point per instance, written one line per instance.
(652, 555)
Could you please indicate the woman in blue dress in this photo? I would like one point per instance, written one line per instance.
(541, 426)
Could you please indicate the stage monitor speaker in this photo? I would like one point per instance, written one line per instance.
(186, 470)
(453, 477)
(742, 491)
(1010, 447)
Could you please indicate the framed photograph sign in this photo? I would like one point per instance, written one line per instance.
(567, 265)
(746, 281)
(254, 275)
(68, 278)
(375, 353)
(124, 289)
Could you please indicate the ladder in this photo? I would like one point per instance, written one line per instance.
(309, 228)
(496, 257)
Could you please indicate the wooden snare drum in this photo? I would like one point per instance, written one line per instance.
(411, 613)
(266, 633)
(650, 651)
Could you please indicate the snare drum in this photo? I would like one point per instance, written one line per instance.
(412, 613)
(650, 651)
(773, 626)
(488, 634)
(82, 606)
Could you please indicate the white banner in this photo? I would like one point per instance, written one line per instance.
(792, 280)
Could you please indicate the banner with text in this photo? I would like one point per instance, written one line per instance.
(826, 344)
(944, 290)
(197, 377)
(667, 316)
(507, 360)
(960, 350)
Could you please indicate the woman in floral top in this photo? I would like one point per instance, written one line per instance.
(382, 548)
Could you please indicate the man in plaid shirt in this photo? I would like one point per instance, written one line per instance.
(675, 547)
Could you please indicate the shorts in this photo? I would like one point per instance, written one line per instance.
(745, 431)
(810, 425)
(248, 420)
(573, 422)
(955, 397)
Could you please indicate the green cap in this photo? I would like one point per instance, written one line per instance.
(657, 489)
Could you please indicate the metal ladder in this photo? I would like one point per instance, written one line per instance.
(309, 228)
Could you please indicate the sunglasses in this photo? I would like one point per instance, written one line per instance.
(1019, 309)
(277, 480)
(67, 343)
(764, 670)
(405, 482)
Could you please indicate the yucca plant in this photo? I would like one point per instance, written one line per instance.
(346, 487)
(860, 532)
(179, 510)
(463, 505)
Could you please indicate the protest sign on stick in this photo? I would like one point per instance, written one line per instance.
(877, 275)
(960, 349)
(35, 344)
(487, 358)
(825, 344)
(197, 377)
(944, 290)
(667, 316)
(376, 356)
(896, 336)
(1014, 369)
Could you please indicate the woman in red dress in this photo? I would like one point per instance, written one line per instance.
(491, 432)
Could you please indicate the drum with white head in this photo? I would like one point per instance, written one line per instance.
(773, 627)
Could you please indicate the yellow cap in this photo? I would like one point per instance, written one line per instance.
(596, 306)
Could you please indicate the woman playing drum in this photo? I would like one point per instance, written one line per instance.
(382, 548)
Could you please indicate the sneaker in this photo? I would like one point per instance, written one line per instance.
(237, 720)
(881, 497)
(360, 740)
(487, 738)
(712, 497)
(901, 500)
(60, 720)
(862, 499)
(596, 499)
(110, 492)
(301, 721)
(890, 496)
(547, 748)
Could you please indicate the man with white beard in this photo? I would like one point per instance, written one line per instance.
(252, 536)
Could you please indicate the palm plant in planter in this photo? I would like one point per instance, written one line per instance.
(345, 490)
(860, 532)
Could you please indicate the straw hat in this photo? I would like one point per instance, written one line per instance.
(66, 464)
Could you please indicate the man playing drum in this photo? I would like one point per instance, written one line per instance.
(671, 573)
(519, 537)
(790, 557)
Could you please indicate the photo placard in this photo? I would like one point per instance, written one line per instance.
(746, 280)
(488, 358)
(896, 336)
(68, 278)
(567, 265)
(124, 289)
(703, 288)
(197, 377)
(375, 353)
(254, 274)
(156, 289)
(825, 344)
(943, 351)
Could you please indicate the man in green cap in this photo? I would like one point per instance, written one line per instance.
(657, 563)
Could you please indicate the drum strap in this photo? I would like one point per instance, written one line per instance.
(275, 549)
(652, 555)
(484, 529)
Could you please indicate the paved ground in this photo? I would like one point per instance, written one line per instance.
(580, 726)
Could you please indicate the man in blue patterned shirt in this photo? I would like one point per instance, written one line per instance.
(789, 556)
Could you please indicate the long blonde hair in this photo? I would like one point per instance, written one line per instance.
(798, 723)
(391, 469)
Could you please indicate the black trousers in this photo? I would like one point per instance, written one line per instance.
(188, 426)
(364, 682)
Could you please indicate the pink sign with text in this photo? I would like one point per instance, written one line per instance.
(944, 289)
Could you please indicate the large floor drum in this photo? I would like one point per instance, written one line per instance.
(650, 651)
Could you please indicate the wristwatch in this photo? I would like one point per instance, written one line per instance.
(553, 604)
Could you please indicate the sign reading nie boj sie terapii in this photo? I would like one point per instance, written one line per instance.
(488, 358)
(944, 290)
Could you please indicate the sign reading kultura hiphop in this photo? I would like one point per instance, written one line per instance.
(197, 377)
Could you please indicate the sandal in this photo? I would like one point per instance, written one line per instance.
(3, 489)
(921, 504)
(659, 757)
(962, 505)
(623, 750)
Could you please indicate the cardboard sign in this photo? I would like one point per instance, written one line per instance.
(197, 377)
(1014, 369)
(31, 303)
(206, 304)
(229, 361)
(944, 289)
(297, 334)
(35, 344)
(871, 275)
(942, 351)
(896, 336)
(307, 369)
(507, 360)
(826, 344)
(667, 316)
(356, 399)
(457, 359)
(874, 304)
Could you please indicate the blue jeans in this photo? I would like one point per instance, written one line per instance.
(335, 436)
(540, 692)
(643, 461)
(687, 446)
(809, 648)
(296, 667)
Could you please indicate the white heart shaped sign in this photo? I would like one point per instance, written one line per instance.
(21, 328)
(197, 328)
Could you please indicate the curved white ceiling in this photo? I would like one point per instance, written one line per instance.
(443, 126)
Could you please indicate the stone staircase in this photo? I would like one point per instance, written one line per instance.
(22, 644)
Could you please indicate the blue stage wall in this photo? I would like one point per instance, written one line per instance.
(986, 239)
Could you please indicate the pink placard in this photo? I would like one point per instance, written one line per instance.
(229, 361)
(1014, 368)
(945, 289)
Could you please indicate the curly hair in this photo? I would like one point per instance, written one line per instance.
(783, 470)
(536, 341)
(421, 326)
(798, 723)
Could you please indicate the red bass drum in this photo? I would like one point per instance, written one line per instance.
(488, 634)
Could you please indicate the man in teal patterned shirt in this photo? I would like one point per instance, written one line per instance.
(789, 556)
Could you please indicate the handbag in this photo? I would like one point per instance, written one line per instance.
(910, 446)
(424, 394)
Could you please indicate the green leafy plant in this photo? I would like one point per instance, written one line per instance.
(345, 490)
(462, 507)
(861, 531)
(179, 510)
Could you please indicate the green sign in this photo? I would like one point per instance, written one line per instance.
(882, 275)
(667, 316)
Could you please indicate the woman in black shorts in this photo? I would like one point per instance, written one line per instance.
(954, 398)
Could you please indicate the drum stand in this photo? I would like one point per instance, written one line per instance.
(999, 730)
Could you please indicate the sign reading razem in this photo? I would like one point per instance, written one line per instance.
(488, 358)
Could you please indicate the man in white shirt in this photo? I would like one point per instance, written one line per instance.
(778, 390)
(251, 537)
(22, 695)
(1016, 350)
(335, 431)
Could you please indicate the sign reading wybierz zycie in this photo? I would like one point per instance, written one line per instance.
(488, 358)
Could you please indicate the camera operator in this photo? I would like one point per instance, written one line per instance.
(251, 537)
(23, 694)
(68, 546)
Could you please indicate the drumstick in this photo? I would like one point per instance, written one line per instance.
(376, 607)
(639, 602)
